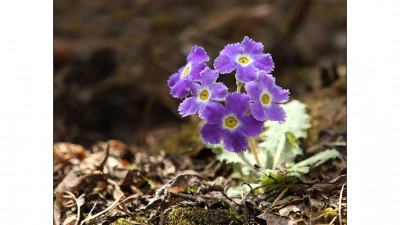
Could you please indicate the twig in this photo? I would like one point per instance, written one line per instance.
(229, 198)
(90, 213)
(77, 205)
(183, 196)
(101, 166)
(333, 220)
(280, 196)
(244, 200)
(113, 205)
(340, 204)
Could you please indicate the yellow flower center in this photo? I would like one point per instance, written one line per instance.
(204, 95)
(186, 71)
(243, 60)
(265, 99)
(230, 122)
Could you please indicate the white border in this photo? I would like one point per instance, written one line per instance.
(26, 111)
(373, 111)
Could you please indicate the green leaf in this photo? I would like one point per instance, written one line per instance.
(231, 157)
(296, 172)
(287, 149)
(297, 123)
(236, 191)
(327, 154)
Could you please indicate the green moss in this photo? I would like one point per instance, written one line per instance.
(122, 221)
(328, 214)
(139, 218)
(196, 215)
(191, 190)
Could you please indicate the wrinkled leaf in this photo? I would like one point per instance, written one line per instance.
(287, 149)
(327, 154)
(236, 191)
(297, 123)
(288, 209)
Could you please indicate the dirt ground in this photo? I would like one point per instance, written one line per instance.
(123, 154)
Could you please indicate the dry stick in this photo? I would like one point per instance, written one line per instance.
(333, 220)
(244, 200)
(280, 196)
(340, 204)
(77, 206)
(104, 211)
(253, 150)
(103, 163)
(90, 213)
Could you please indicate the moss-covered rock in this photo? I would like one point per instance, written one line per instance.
(196, 215)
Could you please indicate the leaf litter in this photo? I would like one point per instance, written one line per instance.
(102, 186)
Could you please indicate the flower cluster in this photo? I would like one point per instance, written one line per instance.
(230, 117)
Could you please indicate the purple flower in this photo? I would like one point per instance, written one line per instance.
(265, 93)
(230, 123)
(247, 57)
(204, 93)
(181, 82)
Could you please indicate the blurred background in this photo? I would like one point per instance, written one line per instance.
(112, 61)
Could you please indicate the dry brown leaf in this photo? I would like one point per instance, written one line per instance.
(273, 219)
(70, 220)
(282, 169)
(184, 180)
(288, 209)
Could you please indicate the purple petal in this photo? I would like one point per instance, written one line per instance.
(258, 111)
(232, 50)
(181, 89)
(189, 106)
(195, 87)
(208, 77)
(218, 92)
(211, 133)
(275, 113)
(267, 81)
(212, 113)
(235, 142)
(173, 79)
(238, 103)
(251, 47)
(253, 90)
(250, 126)
(195, 71)
(246, 73)
(224, 64)
(197, 55)
(279, 95)
(264, 62)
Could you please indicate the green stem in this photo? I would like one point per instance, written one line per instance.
(253, 150)
(239, 86)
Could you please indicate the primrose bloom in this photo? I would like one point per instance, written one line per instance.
(247, 57)
(229, 123)
(265, 94)
(204, 93)
(181, 82)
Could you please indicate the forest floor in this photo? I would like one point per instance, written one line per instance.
(113, 183)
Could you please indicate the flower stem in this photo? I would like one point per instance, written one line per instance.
(253, 150)
(239, 86)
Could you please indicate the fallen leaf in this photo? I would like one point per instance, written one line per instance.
(272, 219)
(288, 209)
